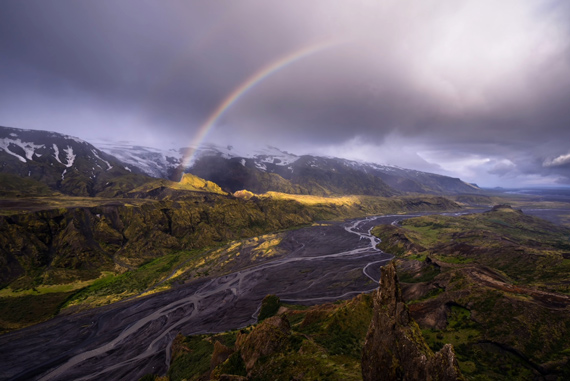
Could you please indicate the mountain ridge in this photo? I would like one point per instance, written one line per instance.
(75, 167)
(272, 169)
(66, 164)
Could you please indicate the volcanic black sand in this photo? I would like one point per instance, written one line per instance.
(130, 339)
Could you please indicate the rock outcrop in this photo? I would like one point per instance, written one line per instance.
(269, 337)
(394, 347)
(221, 354)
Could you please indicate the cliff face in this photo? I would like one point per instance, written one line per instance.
(67, 244)
(395, 348)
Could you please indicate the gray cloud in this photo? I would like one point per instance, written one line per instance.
(559, 161)
(475, 89)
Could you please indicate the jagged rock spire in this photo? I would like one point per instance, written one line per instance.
(395, 348)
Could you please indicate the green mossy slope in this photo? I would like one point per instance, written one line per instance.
(495, 285)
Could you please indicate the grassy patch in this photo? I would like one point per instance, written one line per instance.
(49, 289)
(192, 359)
(455, 260)
(526, 249)
(425, 276)
(233, 365)
(22, 311)
(341, 331)
(111, 287)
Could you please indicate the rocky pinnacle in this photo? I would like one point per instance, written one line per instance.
(394, 347)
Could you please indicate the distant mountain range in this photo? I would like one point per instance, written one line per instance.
(72, 166)
(271, 169)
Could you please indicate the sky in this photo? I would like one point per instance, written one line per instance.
(475, 89)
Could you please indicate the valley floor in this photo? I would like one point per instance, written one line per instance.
(126, 340)
(321, 263)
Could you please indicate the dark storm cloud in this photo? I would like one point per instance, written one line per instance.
(176, 55)
(473, 89)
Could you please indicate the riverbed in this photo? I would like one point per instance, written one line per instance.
(127, 340)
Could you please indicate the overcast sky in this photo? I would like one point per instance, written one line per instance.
(474, 89)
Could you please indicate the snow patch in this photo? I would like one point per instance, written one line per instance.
(268, 154)
(275, 156)
(56, 153)
(261, 166)
(242, 161)
(154, 162)
(28, 148)
(104, 161)
(70, 156)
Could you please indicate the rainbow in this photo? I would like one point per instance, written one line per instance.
(247, 85)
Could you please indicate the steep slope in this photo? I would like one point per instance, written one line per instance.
(274, 170)
(64, 245)
(270, 169)
(131, 244)
(304, 178)
(64, 163)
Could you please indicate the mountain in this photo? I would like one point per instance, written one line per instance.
(74, 167)
(152, 161)
(166, 163)
(306, 175)
(64, 163)
(271, 169)
(275, 170)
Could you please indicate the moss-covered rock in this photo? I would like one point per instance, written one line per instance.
(269, 307)
(269, 337)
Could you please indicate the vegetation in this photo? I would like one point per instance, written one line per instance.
(12, 186)
(139, 241)
(342, 207)
(160, 233)
(190, 357)
(188, 182)
(21, 311)
(321, 342)
(495, 285)
(269, 307)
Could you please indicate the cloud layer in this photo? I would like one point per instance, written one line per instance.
(476, 89)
